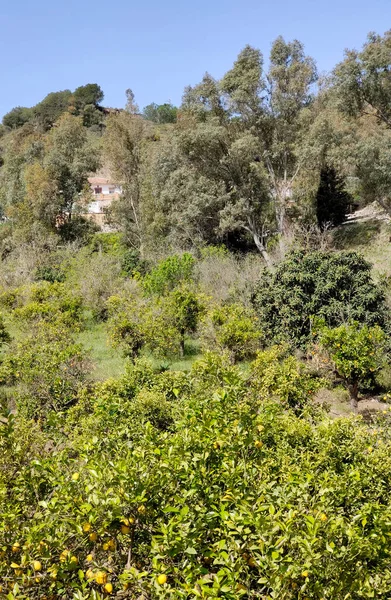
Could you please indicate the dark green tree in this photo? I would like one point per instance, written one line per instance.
(332, 200)
(160, 113)
(17, 117)
(51, 108)
(87, 94)
(336, 287)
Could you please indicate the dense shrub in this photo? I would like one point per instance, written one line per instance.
(276, 374)
(50, 273)
(231, 327)
(97, 277)
(52, 302)
(218, 493)
(169, 273)
(333, 286)
(137, 323)
(4, 335)
(183, 308)
(47, 369)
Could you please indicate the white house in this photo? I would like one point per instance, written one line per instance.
(104, 192)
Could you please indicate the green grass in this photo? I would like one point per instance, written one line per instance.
(107, 361)
(192, 353)
(369, 238)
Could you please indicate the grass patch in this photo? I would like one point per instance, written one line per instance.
(192, 353)
(372, 239)
(107, 361)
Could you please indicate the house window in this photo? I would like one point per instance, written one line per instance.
(111, 189)
(97, 190)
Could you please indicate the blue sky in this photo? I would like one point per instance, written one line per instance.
(157, 48)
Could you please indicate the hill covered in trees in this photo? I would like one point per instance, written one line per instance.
(197, 403)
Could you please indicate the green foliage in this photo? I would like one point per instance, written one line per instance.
(160, 113)
(136, 323)
(226, 495)
(132, 263)
(183, 308)
(169, 273)
(87, 95)
(231, 327)
(363, 79)
(357, 352)
(333, 286)
(51, 302)
(51, 108)
(4, 335)
(125, 326)
(47, 367)
(275, 373)
(50, 273)
(17, 117)
(96, 277)
(332, 200)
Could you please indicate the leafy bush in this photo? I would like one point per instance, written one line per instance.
(274, 373)
(132, 263)
(219, 495)
(4, 335)
(50, 273)
(169, 273)
(333, 286)
(357, 352)
(136, 323)
(126, 325)
(231, 327)
(50, 302)
(47, 369)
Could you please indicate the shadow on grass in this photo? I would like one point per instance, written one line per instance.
(353, 235)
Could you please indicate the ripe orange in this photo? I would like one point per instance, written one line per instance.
(162, 579)
(101, 578)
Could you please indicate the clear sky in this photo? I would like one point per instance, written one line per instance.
(158, 47)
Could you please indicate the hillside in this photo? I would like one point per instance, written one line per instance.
(195, 338)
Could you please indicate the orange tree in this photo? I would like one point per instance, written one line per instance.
(231, 496)
(357, 351)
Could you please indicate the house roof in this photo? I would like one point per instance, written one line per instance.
(99, 181)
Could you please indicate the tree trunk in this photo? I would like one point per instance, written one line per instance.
(283, 193)
(261, 247)
(353, 391)
(182, 344)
